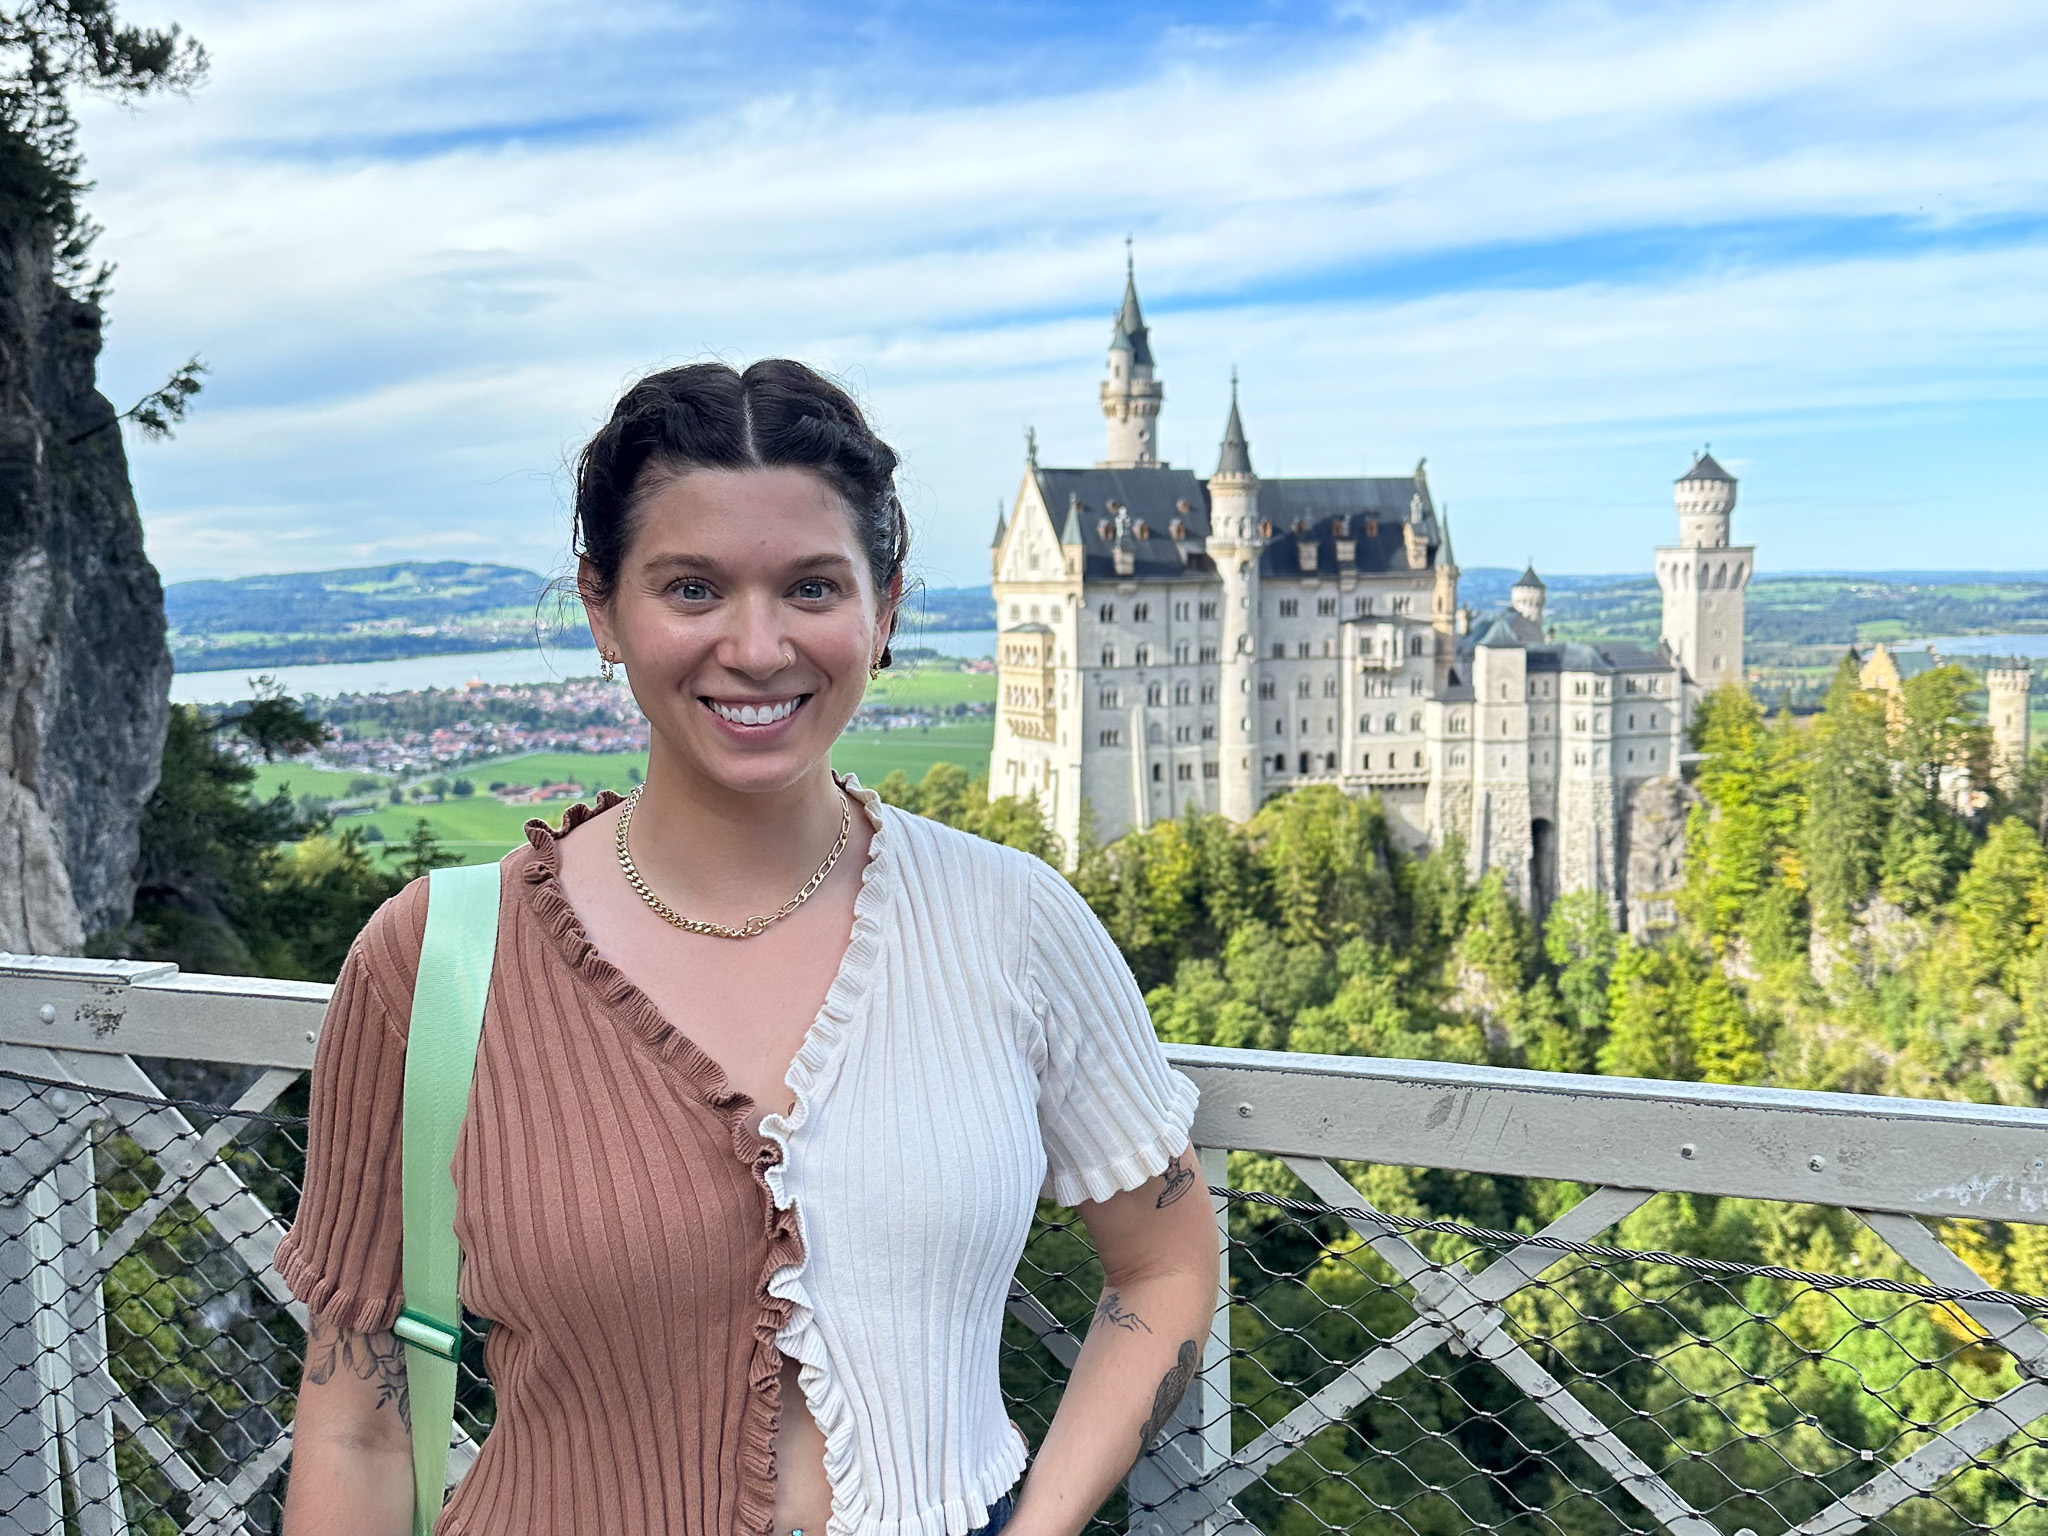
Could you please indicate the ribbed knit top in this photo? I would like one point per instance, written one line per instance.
(646, 1259)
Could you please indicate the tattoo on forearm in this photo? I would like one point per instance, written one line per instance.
(377, 1358)
(1110, 1310)
(1170, 1390)
(1180, 1178)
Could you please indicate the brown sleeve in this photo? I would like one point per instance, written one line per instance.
(341, 1257)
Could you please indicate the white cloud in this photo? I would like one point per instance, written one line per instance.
(412, 343)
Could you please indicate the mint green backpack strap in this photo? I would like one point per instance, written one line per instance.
(440, 1059)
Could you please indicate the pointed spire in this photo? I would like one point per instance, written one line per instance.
(1031, 446)
(1071, 533)
(1236, 455)
(1129, 333)
(1444, 555)
(1002, 526)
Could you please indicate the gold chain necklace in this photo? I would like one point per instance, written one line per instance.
(753, 925)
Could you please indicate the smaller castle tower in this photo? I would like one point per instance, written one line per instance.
(1236, 541)
(1131, 395)
(1703, 578)
(1527, 596)
(2009, 688)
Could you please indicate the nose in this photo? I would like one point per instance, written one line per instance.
(756, 641)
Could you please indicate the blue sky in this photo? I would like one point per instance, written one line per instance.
(1554, 246)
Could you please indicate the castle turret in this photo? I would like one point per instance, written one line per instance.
(1703, 577)
(1526, 596)
(1236, 541)
(2009, 688)
(1131, 396)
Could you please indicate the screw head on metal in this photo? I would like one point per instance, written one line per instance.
(1688, 1150)
(312, 1035)
(47, 1013)
(1816, 1162)
(1244, 1111)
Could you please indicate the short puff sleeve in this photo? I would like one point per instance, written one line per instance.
(341, 1257)
(1111, 1112)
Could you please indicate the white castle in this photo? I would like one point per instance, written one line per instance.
(1167, 641)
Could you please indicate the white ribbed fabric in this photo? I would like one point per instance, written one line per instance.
(982, 1043)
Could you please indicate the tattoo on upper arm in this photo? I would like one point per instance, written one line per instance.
(1111, 1310)
(1180, 1178)
(377, 1358)
(1172, 1386)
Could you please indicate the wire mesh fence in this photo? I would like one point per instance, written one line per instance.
(1382, 1377)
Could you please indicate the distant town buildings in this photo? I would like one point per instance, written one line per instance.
(1168, 641)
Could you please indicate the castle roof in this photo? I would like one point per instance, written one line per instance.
(1371, 512)
(1235, 457)
(1529, 578)
(1499, 635)
(1129, 333)
(1704, 468)
(1151, 498)
(1002, 527)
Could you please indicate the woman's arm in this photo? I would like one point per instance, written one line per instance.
(351, 1437)
(1158, 1248)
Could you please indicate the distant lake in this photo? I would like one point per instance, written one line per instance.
(412, 673)
(1982, 645)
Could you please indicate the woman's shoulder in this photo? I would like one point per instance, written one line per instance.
(386, 954)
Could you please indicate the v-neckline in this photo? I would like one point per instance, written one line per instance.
(824, 1039)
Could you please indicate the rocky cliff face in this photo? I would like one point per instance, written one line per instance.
(84, 671)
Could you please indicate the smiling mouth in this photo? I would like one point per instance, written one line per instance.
(765, 712)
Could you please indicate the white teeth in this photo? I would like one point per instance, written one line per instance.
(756, 714)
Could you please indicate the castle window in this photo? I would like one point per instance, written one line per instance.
(1415, 721)
(1266, 688)
(1180, 651)
(1208, 653)
(1304, 763)
(1208, 693)
(1330, 761)
(1578, 722)
(1109, 739)
(1109, 655)
(1653, 721)
(1653, 754)
(1208, 770)
(1301, 649)
(1279, 650)
(1289, 607)
(1180, 611)
(1107, 698)
(1106, 613)
(1143, 657)
(1457, 759)
(1631, 722)
(1159, 773)
(1301, 689)
(1155, 694)
(1014, 613)
(1280, 762)
(1418, 759)
(1329, 687)
(1414, 685)
(1208, 733)
(1034, 611)
(1141, 613)
(1415, 645)
(1304, 725)
(1400, 605)
(1183, 770)
(1327, 646)
(1600, 687)
(1631, 754)
(1361, 605)
(1631, 685)
(1579, 689)
(1183, 733)
(1181, 693)
(1206, 610)
(1392, 723)
(1326, 607)
(1279, 727)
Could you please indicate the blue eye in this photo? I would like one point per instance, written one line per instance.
(690, 590)
(814, 591)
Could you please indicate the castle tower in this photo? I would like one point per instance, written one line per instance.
(1443, 593)
(1131, 396)
(1703, 578)
(2008, 687)
(1236, 541)
(1526, 596)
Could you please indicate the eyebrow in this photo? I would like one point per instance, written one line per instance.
(706, 563)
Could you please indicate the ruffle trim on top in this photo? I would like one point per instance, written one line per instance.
(816, 1059)
(704, 1077)
(1072, 1186)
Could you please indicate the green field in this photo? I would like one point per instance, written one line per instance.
(480, 829)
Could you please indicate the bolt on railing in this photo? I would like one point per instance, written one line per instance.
(1429, 1320)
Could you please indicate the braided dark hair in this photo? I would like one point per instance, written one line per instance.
(776, 415)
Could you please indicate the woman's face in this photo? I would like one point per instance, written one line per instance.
(747, 620)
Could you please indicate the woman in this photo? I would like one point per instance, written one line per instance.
(742, 1195)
